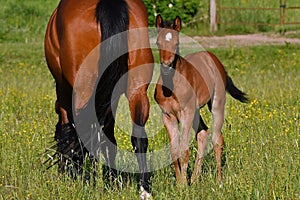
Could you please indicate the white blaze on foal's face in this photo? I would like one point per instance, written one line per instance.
(169, 37)
(167, 43)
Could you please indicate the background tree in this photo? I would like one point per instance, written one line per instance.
(169, 9)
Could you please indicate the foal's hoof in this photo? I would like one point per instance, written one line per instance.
(145, 195)
(221, 184)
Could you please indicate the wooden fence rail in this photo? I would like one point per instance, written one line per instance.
(216, 11)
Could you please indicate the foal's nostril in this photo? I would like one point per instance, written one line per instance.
(166, 70)
(166, 64)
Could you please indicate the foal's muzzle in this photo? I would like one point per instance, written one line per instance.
(166, 69)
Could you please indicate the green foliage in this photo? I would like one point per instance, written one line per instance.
(169, 9)
(195, 15)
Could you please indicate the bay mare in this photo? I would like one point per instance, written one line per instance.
(75, 29)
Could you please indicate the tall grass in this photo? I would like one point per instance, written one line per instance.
(262, 137)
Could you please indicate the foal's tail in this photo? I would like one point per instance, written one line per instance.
(234, 91)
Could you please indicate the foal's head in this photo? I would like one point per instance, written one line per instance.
(168, 41)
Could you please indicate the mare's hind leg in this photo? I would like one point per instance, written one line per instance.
(217, 138)
(109, 146)
(71, 152)
(139, 110)
(202, 134)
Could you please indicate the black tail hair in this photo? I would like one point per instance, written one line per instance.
(113, 17)
(234, 91)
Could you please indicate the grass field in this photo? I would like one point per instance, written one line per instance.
(262, 137)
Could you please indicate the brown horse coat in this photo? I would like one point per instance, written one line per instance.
(72, 52)
(72, 35)
(184, 86)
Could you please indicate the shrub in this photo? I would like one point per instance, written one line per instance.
(169, 9)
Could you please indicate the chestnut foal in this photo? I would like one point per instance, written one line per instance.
(185, 85)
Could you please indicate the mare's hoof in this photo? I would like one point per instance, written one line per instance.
(145, 195)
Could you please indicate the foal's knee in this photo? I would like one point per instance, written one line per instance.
(218, 139)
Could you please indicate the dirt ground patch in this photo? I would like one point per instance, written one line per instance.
(245, 40)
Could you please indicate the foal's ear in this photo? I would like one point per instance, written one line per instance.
(159, 22)
(177, 24)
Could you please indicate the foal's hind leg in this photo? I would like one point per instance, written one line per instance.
(217, 138)
(202, 134)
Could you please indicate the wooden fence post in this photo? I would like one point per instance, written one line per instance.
(213, 16)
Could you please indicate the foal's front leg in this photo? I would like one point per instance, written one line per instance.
(171, 124)
(187, 120)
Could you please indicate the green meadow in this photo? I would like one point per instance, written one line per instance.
(262, 137)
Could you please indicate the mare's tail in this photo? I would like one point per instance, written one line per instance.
(234, 91)
(113, 17)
